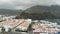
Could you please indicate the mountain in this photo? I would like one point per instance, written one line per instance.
(42, 12)
(9, 12)
(54, 9)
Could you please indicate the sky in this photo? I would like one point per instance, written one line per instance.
(25, 4)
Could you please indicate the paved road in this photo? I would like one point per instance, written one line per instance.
(13, 33)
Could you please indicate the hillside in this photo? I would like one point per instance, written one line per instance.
(9, 12)
(54, 9)
(42, 12)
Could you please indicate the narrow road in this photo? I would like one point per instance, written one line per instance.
(13, 33)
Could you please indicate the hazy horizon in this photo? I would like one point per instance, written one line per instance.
(24, 4)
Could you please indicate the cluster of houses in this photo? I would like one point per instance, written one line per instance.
(21, 24)
(38, 27)
(44, 27)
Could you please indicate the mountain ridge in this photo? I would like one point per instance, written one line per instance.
(54, 9)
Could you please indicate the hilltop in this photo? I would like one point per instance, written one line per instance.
(42, 12)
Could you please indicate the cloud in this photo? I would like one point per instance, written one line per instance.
(24, 4)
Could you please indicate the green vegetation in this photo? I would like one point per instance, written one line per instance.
(45, 15)
(20, 30)
(41, 12)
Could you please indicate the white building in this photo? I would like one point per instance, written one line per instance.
(21, 24)
(24, 26)
(10, 24)
(45, 28)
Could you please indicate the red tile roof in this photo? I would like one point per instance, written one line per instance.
(11, 24)
(25, 24)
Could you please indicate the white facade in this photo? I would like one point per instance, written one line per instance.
(46, 27)
(25, 25)
(0, 29)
